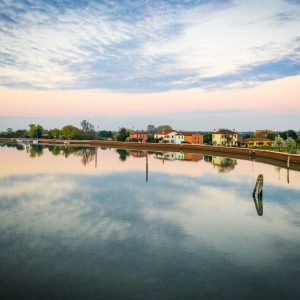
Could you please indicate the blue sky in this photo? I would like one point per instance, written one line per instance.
(147, 47)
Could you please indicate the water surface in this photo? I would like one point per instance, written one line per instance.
(92, 223)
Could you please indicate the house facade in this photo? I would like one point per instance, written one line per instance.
(167, 136)
(141, 136)
(257, 142)
(197, 138)
(225, 137)
(179, 138)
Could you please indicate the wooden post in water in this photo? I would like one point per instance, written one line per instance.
(147, 167)
(259, 188)
(259, 185)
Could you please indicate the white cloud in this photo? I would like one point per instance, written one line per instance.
(57, 49)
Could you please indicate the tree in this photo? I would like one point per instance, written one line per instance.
(279, 142)
(207, 139)
(21, 133)
(290, 143)
(55, 133)
(35, 130)
(271, 136)
(151, 129)
(163, 127)
(123, 134)
(71, 132)
(86, 126)
(105, 134)
(292, 133)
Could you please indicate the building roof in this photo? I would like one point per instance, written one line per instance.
(224, 131)
(165, 131)
(263, 131)
(138, 132)
(187, 133)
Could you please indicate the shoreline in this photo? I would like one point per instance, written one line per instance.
(280, 159)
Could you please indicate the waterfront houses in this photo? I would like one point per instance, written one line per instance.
(189, 137)
(140, 136)
(225, 137)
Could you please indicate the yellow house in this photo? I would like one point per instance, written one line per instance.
(225, 137)
(257, 142)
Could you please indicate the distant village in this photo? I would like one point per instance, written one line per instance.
(288, 140)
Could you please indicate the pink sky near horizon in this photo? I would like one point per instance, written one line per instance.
(281, 95)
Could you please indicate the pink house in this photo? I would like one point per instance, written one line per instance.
(139, 135)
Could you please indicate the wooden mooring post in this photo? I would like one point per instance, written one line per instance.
(259, 185)
(147, 167)
(259, 188)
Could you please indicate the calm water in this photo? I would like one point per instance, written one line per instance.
(86, 223)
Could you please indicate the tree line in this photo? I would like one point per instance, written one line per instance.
(85, 132)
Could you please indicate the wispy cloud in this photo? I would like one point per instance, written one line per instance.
(154, 46)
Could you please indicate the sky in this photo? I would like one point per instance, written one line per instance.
(193, 64)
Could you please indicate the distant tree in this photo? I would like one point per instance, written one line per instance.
(271, 136)
(21, 133)
(163, 127)
(290, 143)
(105, 134)
(123, 134)
(9, 130)
(151, 139)
(207, 139)
(86, 126)
(229, 139)
(71, 132)
(35, 130)
(55, 133)
(292, 133)
(279, 142)
(151, 129)
(246, 135)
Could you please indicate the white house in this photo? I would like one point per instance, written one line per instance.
(168, 136)
(179, 138)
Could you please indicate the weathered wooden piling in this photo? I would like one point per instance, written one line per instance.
(259, 185)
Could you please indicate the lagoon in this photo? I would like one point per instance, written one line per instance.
(92, 223)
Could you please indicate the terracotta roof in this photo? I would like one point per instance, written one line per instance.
(190, 133)
(164, 132)
(263, 131)
(138, 132)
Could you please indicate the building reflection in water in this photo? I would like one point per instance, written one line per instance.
(171, 156)
(224, 164)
